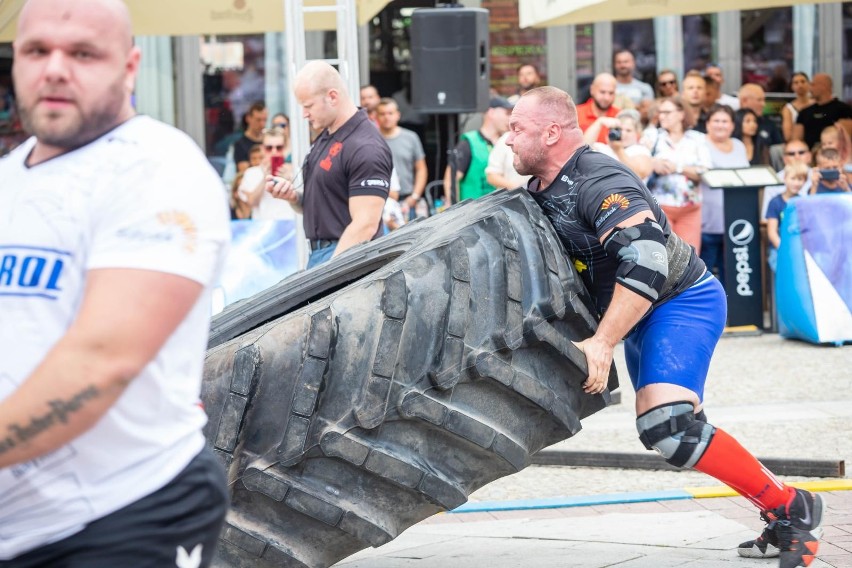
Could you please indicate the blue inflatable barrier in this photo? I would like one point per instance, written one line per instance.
(813, 281)
(262, 253)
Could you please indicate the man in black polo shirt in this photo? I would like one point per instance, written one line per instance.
(347, 172)
(826, 111)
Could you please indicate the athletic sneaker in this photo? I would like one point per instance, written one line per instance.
(764, 546)
(794, 525)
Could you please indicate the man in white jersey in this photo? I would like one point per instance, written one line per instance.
(112, 229)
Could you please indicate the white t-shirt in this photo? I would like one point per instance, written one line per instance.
(268, 208)
(500, 161)
(142, 196)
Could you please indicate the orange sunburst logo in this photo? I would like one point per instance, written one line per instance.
(615, 201)
(184, 223)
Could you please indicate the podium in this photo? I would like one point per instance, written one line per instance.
(743, 269)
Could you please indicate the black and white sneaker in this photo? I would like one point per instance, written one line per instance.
(764, 546)
(795, 526)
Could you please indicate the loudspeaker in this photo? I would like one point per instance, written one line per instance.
(450, 60)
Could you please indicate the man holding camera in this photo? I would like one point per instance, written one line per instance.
(598, 111)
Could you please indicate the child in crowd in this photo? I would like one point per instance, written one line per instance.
(828, 176)
(239, 208)
(255, 155)
(795, 176)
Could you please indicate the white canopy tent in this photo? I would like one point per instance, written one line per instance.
(547, 13)
(219, 17)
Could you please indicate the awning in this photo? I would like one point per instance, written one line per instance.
(214, 17)
(546, 13)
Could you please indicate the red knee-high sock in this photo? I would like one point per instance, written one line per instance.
(729, 462)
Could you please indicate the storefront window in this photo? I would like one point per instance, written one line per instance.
(847, 52)
(11, 133)
(767, 47)
(584, 54)
(699, 41)
(234, 78)
(638, 37)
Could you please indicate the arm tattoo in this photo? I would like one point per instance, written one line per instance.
(60, 412)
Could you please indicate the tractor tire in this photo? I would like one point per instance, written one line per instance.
(354, 400)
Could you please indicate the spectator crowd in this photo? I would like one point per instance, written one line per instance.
(669, 134)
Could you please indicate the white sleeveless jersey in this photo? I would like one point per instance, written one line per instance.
(142, 196)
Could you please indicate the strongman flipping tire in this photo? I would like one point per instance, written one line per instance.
(651, 289)
(113, 228)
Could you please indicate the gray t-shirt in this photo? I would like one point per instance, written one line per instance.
(712, 202)
(635, 90)
(406, 149)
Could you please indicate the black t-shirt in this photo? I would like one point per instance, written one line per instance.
(242, 147)
(816, 117)
(592, 194)
(353, 161)
(768, 131)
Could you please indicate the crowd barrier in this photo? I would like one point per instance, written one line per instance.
(813, 282)
(262, 253)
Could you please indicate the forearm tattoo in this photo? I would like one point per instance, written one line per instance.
(60, 412)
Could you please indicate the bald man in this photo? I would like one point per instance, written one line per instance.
(114, 230)
(651, 289)
(752, 96)
(599, 107)
(826, 111)
(347, 172)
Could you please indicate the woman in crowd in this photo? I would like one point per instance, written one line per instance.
(679, 156)
(725, 152)
(801, 86)
(282, 121)
(623, 143)
(667, 84)
(745, 130)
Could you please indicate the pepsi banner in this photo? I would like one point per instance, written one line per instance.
(814, 279)
(743, 275)
(262, 253)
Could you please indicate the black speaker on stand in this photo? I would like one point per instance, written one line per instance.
(450, 67)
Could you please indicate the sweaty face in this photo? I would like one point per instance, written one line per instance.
(74, 70)
(693, 90)
(526, 139)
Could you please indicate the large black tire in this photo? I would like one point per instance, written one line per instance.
(348, 420)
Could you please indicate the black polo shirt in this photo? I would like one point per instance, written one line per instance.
(592, 194)
(816, 117)
(352, 162)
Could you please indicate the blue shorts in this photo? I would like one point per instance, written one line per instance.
(675, 342)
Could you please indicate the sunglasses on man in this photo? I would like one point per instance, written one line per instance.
(276, 147)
